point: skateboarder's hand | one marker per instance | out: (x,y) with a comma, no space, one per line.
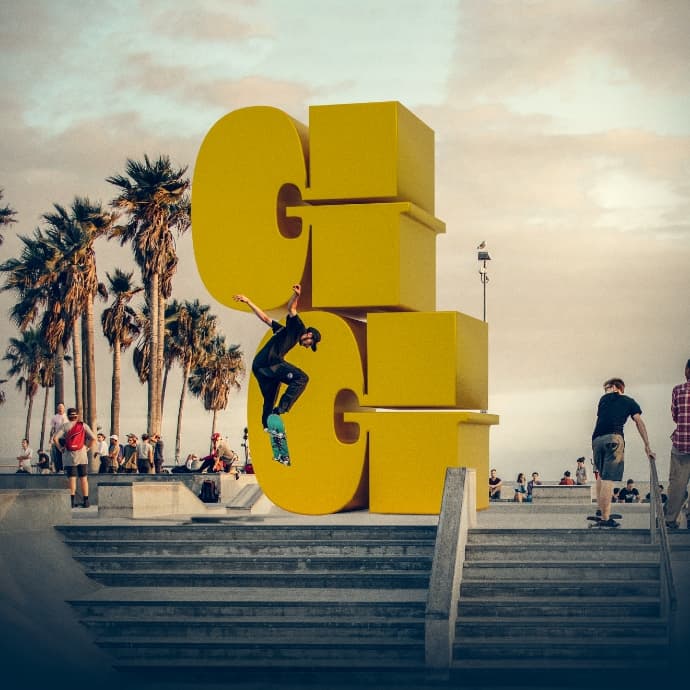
(297,289)
(240,298)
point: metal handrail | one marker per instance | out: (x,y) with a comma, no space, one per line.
(659,534)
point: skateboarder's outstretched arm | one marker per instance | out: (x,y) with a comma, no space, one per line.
(259,312)
(292,304)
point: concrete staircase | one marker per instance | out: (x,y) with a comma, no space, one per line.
(242,596)
(568,599)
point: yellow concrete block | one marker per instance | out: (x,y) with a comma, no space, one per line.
(412,450)
(328,471)
(251,164)
(380,256)
(430,359)
(370,151)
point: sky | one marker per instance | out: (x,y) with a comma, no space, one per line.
(562,141)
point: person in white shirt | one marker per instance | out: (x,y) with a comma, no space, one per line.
(56,423)
(25,457)
(101,453)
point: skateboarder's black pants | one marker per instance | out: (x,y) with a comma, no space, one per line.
(270,378)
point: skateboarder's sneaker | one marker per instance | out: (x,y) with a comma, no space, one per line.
(608,523)
(598,513)
(672,525)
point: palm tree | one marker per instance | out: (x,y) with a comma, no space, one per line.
(212,380)
(39,287)
(6,216)
(26,356)
(191,333)
(155,196)
(120,326)
(73,233)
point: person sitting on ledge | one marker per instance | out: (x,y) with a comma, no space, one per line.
(566,479)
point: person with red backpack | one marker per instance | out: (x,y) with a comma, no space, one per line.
(74,438)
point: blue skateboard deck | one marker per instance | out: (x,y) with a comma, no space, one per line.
(279,446)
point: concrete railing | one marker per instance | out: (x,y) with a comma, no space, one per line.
(458,514)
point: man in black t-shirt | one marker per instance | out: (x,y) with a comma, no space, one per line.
(269,365)
(608,444)
(629,494)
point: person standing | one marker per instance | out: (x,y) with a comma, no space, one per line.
(581,472)
(608,442)
(56,422)
(25,457)
(158,453)
(145,455)
(269,366)
(100,454)
(75,438)
(679,470)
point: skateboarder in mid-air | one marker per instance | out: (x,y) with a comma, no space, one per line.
(269,365)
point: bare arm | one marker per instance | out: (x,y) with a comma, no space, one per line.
(642,429)
(259,312)
(294,299)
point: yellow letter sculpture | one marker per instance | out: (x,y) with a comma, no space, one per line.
(347,209)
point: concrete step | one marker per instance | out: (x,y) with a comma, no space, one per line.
(649,648)
(249,602)
(561,552)
(370,651)
(572,630)
(230,547)
(557,570)
(267,629)
(558,607)
(210,578)
(544,589)
(237,530)
(523,537)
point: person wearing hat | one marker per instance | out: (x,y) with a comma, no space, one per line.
(269,366)
(114,455)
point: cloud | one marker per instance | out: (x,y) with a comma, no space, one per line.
(507,47)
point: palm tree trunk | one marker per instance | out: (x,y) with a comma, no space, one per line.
(166,371)
(27,428)
(115,389)
(59,375)
(160,358)
(154,388)
(76,361)
(178,436)
(90,362)
(45,416)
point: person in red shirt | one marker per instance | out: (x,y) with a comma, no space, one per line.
(679,472)
(566,479)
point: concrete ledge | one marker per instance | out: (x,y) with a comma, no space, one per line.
(144,500)
(229,486)
(557,493)
(33,509)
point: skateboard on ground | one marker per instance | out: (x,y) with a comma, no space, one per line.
(596,519)
(276,430)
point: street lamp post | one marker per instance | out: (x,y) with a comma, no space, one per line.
(483,257)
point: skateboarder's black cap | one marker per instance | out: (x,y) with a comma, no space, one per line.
(315,334)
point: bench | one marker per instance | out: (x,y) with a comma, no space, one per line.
(560,493)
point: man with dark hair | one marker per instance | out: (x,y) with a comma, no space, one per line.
(608,443)
(74,438)
(270,367)
(679,471)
